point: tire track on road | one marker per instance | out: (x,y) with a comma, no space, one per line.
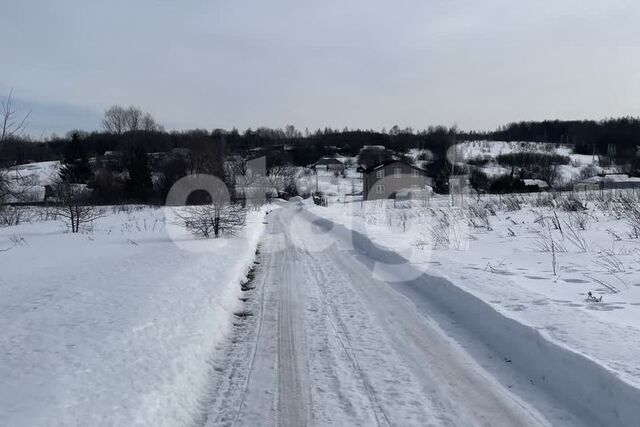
(258,338)
(343,338)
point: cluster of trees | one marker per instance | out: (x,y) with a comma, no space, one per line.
(524,164)
(124,127)
(118,120)
(527,164)
(501,184)
(136,175)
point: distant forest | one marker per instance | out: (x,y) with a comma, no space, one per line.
(620,137)
(132,148)
(617,139)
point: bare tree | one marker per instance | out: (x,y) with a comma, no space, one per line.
(12,124)
(115,120)
(282,178)
(149,124)
(75,210)
(133,118)
(249,181)
(13,185)
(5,186)
(243,176)
(118,120)
(214,220)
(216,217)
(348,163)
(11,215)
(291,132)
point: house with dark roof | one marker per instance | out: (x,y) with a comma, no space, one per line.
(328,163)
(393,178)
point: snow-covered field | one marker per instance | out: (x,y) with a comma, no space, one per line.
(531,261)
(40,173)
(114,326)
(335,186)
(28,181)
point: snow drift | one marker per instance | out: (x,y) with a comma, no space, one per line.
(114,327)
(583,384)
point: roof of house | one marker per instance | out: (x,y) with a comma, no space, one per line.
(328,161)
(535,182)
(113,153)
(387,163)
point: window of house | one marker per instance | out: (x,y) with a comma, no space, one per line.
(397,172)
(415,173)
(380,188)
(380,173)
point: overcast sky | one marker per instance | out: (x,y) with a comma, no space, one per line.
(361,64)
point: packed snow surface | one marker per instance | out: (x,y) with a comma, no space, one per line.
(329,342)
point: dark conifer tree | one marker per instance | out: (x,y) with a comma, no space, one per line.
(139,184)
(75,167)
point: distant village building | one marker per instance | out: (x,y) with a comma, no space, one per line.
(111,158)
(615,181)
(272,148)
(393,178)
(373,147)
(329,164)
(535,185)
(113,155)
(372,155)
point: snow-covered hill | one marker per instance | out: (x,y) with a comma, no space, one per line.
(39,173)
(488,151)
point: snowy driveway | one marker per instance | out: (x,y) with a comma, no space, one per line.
(326,343)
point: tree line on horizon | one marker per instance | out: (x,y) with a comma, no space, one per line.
(136,135)
(123,127)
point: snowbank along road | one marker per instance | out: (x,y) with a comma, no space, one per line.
(322,342)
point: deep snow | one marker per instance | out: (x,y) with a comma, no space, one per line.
(114,326)
(515,300)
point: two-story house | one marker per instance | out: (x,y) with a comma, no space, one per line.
(391,178)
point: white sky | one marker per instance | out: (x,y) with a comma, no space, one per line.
(317,63)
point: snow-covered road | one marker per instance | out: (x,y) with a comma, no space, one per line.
(323,342)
